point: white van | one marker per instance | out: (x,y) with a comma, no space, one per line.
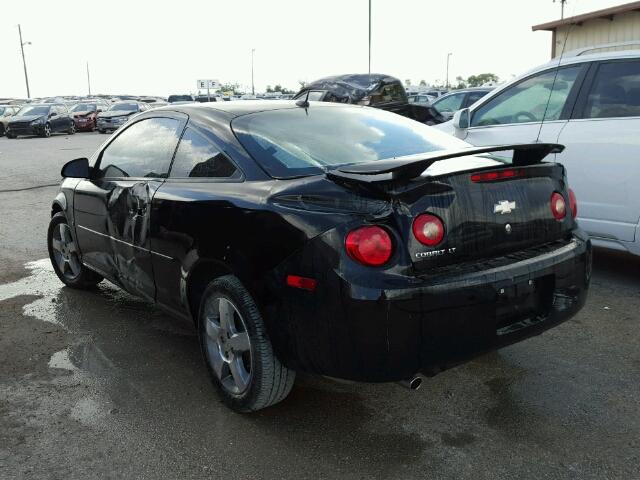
(590,102)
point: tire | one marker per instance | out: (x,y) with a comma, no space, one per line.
(102,131)
(10,135)
(265,381)
(72,129)
(64,256)
(46,131)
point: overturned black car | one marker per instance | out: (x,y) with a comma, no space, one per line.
(372,90)
(332,239)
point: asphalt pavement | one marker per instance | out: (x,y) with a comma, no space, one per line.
(99,384)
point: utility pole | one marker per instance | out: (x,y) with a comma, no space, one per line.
(24,62)
(253,89)
(447,77)
(369,37)
(88,79)
(562,2)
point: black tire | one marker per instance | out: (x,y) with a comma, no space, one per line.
(72,129)
(12,136)
(2,129)
(270,381)
(81,277)
(46,131)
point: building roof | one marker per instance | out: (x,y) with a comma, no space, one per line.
(606,13)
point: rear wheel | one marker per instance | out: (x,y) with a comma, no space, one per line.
(46,130)
(237,350)
(65,257)
(72,129)
(11,135)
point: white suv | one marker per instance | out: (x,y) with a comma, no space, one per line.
(591,104)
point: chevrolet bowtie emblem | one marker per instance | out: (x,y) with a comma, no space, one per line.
(504,206)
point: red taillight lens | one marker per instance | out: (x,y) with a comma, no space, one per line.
(497,175)
(573,203)
(558,206)
(370,245)
(428,229)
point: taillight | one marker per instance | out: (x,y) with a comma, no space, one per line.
(573,203)
(369,245)
(302,283)
(428,229)
(558,206)
(497,175)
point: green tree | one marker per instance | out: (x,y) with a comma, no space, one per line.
(229,87)
(302,84)
(269,89)
(423,83)
(462,83)
(481,79)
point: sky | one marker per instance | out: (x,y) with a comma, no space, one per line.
(161,48)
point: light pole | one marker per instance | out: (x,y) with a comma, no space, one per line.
(24,62)
(447,80)
(88,79)
(253,89)
(369,37)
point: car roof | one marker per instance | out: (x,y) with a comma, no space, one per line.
(233,109)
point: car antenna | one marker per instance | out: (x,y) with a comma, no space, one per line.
(555,76)
(304,103)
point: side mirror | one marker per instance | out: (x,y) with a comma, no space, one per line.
(461,119)
(78,168)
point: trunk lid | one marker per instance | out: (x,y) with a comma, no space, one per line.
(488,208)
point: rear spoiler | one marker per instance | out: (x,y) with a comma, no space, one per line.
(404,169)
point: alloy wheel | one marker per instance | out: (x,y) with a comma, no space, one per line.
(47,130)
(228,344)
(65,252)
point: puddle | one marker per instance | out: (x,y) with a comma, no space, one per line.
(42,282)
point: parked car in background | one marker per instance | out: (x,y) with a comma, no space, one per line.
(372,90)
(589,102)
(119,114)
(181,99)
(307,239)
(85,114)
(40,119)
(451,102)
(421,98)
(6,112)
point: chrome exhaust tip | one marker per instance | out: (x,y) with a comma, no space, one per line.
(412,383)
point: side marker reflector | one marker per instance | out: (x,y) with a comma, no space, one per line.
(302,283)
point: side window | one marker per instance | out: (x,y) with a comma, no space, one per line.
(197,157)
(528,100)
(144,149)
(473,97)
(452,103)
(615,91)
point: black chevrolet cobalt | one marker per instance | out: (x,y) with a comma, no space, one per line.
(332,239)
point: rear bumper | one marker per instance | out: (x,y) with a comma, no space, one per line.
(428,324)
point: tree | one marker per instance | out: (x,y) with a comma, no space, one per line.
(462,83)
(407,82)
(302,84)
(269,89)
(482,79)
(229,87)
(423,83)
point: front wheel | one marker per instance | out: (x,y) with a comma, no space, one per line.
(237,350)
(72,129)
(46,130)
(65,257)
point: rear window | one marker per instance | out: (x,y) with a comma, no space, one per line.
(298,142)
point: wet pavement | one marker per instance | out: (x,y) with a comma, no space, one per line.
(101,384)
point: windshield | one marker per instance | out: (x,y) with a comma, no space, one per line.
(34,110)
(84,107)
(126,107)
(297,142)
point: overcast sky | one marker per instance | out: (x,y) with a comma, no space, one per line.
(159,48)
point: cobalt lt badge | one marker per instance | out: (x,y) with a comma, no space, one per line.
(504,206)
